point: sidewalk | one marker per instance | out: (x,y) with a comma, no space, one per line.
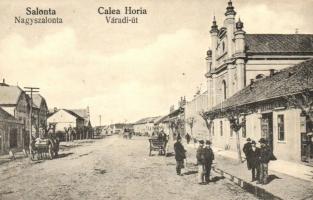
(284,186)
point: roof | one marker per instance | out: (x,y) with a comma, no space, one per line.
(71,112)
(9,94)
(279,43)
(292,80)
(83,113)
(162,119)
(5,115)
(147,120)
(37,99)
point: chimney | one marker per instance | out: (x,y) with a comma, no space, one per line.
(3,81)
(272,72)
(55,109)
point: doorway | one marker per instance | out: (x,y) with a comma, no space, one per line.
(267,128)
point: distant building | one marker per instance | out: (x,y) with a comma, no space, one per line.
(145,126)
(77,118)
(194,123)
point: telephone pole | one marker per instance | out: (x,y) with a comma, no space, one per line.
(31,90)
(100,120)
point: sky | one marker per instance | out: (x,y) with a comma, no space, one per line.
(125,72)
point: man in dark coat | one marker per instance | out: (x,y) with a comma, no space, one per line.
(180,155)
(200,162)
(264,158)
(246,150)
(208,159)
(188,138)
(254,161)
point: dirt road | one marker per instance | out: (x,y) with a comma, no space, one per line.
(110,168)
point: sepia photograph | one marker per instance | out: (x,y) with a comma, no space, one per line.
(156,100)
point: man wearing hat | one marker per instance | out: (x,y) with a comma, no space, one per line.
(254,161)
(200,162)
(246,150)
(208,159)
(180,155)
(264,158)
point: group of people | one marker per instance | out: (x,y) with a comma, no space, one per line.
(258,159)
(205,157)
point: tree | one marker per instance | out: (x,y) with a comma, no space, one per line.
(303,101)
(235,124)
(208,118)
(190,121)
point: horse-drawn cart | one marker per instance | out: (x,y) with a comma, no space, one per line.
(44,148)
(157,145)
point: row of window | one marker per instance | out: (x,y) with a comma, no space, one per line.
(280,129)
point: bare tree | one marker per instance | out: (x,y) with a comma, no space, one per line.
(208,118)
(190,121)
(304,101)
(235,124)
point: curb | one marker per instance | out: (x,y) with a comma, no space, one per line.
(253,189)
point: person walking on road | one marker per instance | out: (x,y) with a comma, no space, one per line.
(180,155)
(188,138)
(253,155)
(208,159)
(246,150)
(264,158)
(200,162)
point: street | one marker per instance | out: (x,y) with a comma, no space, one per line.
(109,168)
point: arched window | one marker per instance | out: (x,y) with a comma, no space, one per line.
(224,89)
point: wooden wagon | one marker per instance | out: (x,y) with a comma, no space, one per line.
(157,145)
(44,148)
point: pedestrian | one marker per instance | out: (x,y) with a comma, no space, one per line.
(246,150)
(180,155)
(188,138)
(200,162)
(264,158)
(208,159)
(253,156)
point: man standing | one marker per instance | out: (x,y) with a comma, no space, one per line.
(200,162)
(264,157)
(254,161)
(208,159)
(180,155)
(246,150)
(188,138)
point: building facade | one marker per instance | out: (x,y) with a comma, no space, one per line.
(240,65)
(14,101)
(194,123)
(11,133)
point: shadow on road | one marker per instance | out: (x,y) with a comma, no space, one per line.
(217,178)
(190,172)
(63,155)
(272,177)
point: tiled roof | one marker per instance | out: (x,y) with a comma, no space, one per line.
(9,94)
(279,43)
(288,81)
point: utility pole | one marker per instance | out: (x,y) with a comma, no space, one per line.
(100,120)
(31,90)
